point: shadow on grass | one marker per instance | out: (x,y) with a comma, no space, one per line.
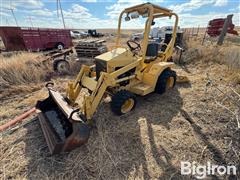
(117,149)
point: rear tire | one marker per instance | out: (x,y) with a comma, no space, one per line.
(123,102)
(61,66)
(60,46)
(166,80)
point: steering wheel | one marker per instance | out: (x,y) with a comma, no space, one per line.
(132,48)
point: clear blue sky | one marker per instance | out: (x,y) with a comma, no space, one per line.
(86,14)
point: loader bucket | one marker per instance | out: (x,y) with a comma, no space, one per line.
(64,129)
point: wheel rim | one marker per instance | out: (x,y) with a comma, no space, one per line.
(170,82)
(127,106)
(62,67)
(60,47)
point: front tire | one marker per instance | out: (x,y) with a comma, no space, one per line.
(123,102)
(166,80)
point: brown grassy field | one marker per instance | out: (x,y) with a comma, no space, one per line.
(20,68)
(195,122)
(20,72)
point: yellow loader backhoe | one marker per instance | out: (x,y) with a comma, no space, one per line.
(122,72)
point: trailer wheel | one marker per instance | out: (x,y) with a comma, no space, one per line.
(166,80)
(60,46)
(123,102)
(61,66)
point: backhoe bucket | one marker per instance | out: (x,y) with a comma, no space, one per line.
(64,128)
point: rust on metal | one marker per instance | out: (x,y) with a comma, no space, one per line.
(61,132)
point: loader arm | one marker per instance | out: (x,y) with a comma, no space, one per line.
(74,87)
(106,80)
(91,102)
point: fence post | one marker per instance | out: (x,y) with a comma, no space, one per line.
(224,29)
(198,29)
(189,33)
(204,36)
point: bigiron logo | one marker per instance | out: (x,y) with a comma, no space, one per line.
(202,171)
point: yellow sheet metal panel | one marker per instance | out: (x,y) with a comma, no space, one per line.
(116,58)
(149,79)
(111,54)
(142,9)
(151,76)
(182,79)
(157,68)
(142,89)
(89,83)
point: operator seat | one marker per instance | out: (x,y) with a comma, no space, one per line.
(152,52)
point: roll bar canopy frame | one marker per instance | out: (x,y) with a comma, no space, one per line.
(154,12)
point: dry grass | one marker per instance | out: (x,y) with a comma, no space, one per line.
(228,54)
(148,143)
(184,124)
(231,57)
(20,74)
(21,68)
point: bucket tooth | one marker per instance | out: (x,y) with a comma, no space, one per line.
(60,132)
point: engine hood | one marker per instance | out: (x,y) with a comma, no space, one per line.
(117,57)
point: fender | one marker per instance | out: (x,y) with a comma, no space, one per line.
(150,77)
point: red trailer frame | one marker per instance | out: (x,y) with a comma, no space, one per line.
(34,39)
(215,27)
